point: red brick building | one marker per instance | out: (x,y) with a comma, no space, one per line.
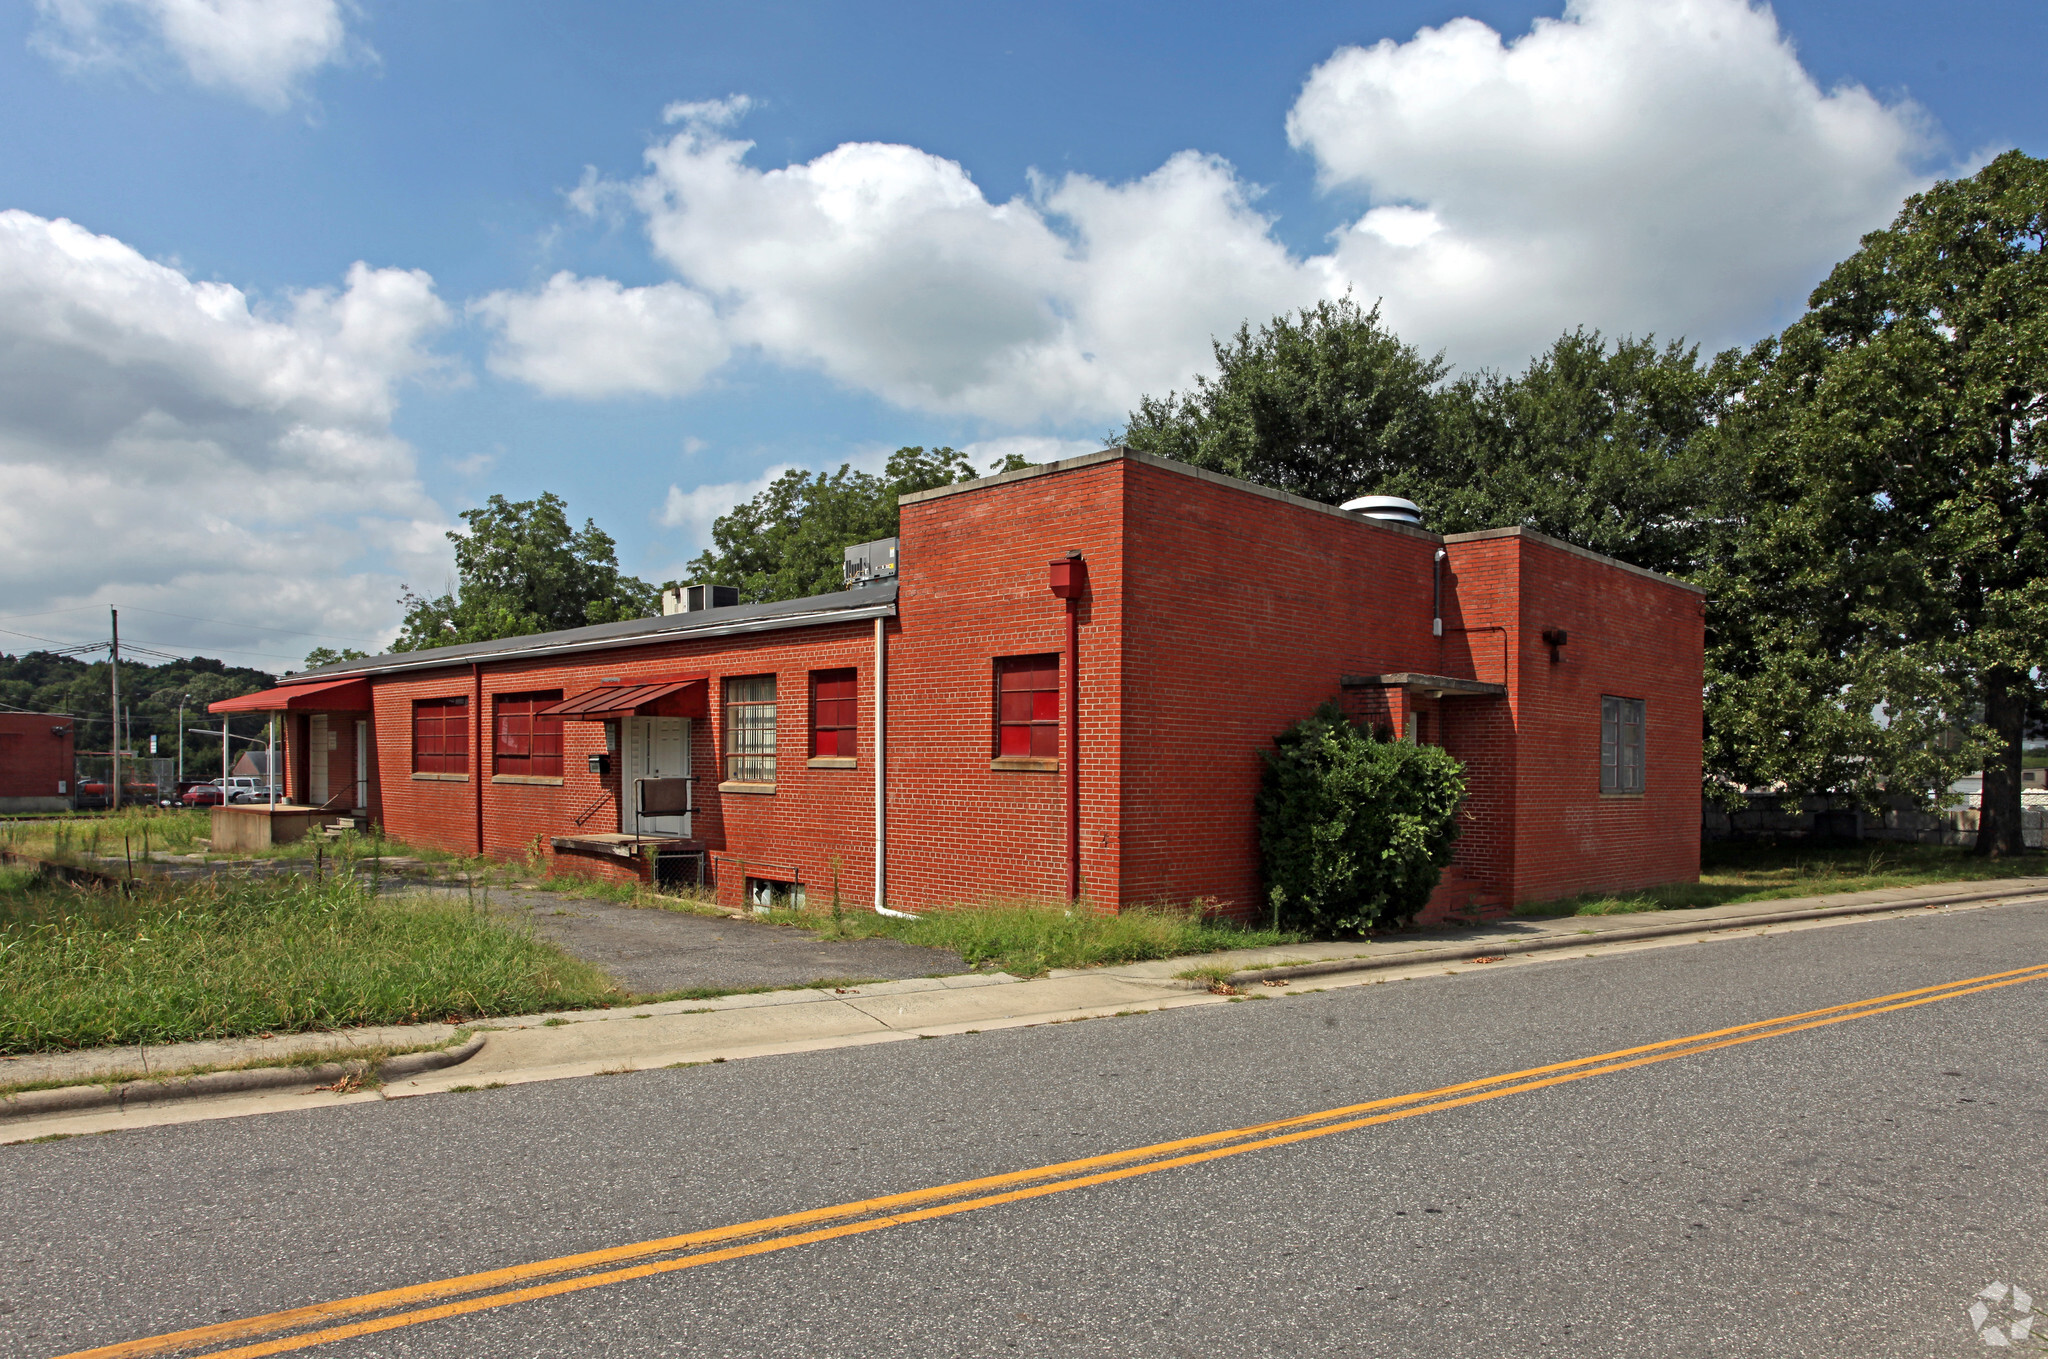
(1183,618)
(36,764)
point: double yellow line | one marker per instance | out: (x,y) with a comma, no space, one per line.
(391,1309)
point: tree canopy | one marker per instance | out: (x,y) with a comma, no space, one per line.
(790,540)
(523,569)
(1605,444)
(1884,610)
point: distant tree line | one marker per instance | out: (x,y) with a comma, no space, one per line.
(45,683)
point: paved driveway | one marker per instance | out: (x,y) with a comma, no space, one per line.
(653,951)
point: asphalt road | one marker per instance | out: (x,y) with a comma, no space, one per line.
(1843,1191)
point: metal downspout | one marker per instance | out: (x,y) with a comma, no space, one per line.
(882,774)
(476,775)
(1073,750)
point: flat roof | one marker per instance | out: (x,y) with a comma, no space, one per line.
(841,606)
(1118,451)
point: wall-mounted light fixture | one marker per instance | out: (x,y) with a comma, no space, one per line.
(1555,638)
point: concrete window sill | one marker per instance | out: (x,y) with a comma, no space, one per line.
(440,778)
(1622,797)
(732,786)
(544,780)
(1023,764)
(831,762)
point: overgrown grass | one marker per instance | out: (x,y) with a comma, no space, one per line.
(167,963)
(1731,873)
(137,831)
(1027,940)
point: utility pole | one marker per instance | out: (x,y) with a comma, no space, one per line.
(114,675)
(181,736)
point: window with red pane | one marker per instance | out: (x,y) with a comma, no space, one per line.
(525,742)
(1028,707)
(835,701)
(440,736)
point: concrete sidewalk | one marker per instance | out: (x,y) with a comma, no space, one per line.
(582,1043)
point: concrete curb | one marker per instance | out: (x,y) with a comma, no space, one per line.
(1499,947)
(71,1098)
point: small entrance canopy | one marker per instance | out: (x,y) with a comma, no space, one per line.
(1428,686)
(340,696)
(682,696)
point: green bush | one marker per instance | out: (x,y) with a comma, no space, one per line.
(1354,831)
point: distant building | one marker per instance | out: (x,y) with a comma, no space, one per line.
(36,762)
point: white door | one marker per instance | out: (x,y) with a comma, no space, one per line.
(362,764)
(654,748)
(316,759)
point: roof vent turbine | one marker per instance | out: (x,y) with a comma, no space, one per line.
(1391,508)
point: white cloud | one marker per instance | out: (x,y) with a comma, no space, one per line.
(163,440)
(1633,165)
(258,49)
(692,511)
(1636,165)
(592,337)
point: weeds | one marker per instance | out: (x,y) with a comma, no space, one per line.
(170,962)
(1738,873)
(1028,940)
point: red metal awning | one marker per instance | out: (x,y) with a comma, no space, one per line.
(683,696)
(345,696)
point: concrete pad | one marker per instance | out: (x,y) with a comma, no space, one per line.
(1058,995)
(659,1039)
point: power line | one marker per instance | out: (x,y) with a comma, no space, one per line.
(247,627)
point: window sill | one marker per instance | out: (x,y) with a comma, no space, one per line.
(440,778)
(1623,797)
(544,780)
(1023,764)
(734,786)
(831,762)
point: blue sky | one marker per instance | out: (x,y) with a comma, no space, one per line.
(339,271)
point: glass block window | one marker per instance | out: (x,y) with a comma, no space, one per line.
(1621,745)
(1028,707)
(750,729)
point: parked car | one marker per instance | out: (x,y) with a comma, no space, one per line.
(202,795)
(244,788)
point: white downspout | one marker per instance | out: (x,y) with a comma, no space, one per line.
(881,775)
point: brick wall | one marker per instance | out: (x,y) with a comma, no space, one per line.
(1243,614)
(34,760)
(1216,616)
(974,586)
(816,822)
(1631,636)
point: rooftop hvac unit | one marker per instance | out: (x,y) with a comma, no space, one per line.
(870,563)
(697,598)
